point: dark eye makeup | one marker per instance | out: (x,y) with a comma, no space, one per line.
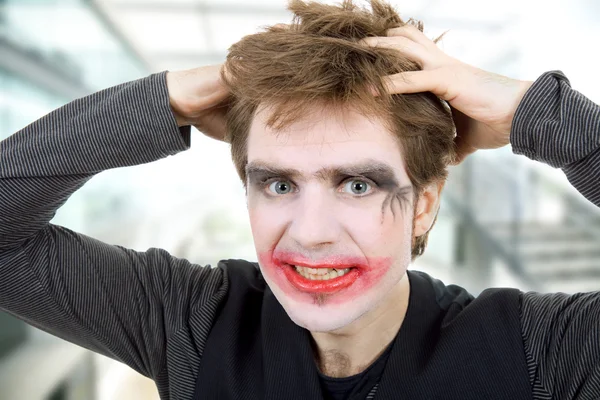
(378,175)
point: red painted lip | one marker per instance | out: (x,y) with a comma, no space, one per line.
(286,261)
(337,262)
(366,272)
(326,286)
(308,265)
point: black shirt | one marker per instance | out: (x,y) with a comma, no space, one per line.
(162,315)
(356,386)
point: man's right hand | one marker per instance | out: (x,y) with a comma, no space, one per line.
(199,97)
(483,103)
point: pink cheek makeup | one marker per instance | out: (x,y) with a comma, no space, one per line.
(341,278)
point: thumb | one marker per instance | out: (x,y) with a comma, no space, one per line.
(463,149)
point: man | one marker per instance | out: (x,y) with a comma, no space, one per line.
(343,167)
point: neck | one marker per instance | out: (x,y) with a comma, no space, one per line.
(351,349)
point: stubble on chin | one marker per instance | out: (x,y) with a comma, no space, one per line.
(320,299)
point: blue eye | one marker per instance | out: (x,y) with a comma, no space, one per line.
(280,187)
(356,186)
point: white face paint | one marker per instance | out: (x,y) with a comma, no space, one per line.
(302,213)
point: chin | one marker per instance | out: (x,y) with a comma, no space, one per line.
(329,316)
(320,318)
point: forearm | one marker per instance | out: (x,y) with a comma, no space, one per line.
(44,163)
(106,298)
(559,126)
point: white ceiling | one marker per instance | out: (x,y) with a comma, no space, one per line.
(175,34)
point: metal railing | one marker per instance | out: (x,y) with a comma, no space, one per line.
(487,193)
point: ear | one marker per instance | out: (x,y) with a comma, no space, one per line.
(427,207)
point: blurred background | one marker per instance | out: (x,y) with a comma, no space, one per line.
(504,221)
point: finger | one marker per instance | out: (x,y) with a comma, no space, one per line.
(413,33)
(462,122)
(215,124)
(413,50)
(462,142)
(419,81)
(279,27)
(463,149)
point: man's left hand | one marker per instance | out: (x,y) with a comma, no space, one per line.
(483,103)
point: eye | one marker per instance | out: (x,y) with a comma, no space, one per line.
(280,187)
(356,186)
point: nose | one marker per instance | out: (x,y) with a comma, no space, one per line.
(313,223)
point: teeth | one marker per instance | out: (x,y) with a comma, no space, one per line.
(316,271)
(321,274)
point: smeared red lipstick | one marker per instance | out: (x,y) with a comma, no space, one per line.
(364,274)
(322,286)
(287,261)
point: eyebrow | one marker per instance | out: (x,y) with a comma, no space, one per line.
(381,173)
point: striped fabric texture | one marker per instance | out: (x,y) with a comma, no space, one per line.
(153,311)
(559,126)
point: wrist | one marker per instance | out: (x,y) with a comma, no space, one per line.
(522,88)
(173,89)
(180,121)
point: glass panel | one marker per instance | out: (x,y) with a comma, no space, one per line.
(70,35)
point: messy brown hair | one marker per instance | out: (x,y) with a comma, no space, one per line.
(318,58)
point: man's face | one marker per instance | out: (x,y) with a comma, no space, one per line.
(331,211)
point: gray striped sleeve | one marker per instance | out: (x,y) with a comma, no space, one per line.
(559,126)
(562,344)
(115,301)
